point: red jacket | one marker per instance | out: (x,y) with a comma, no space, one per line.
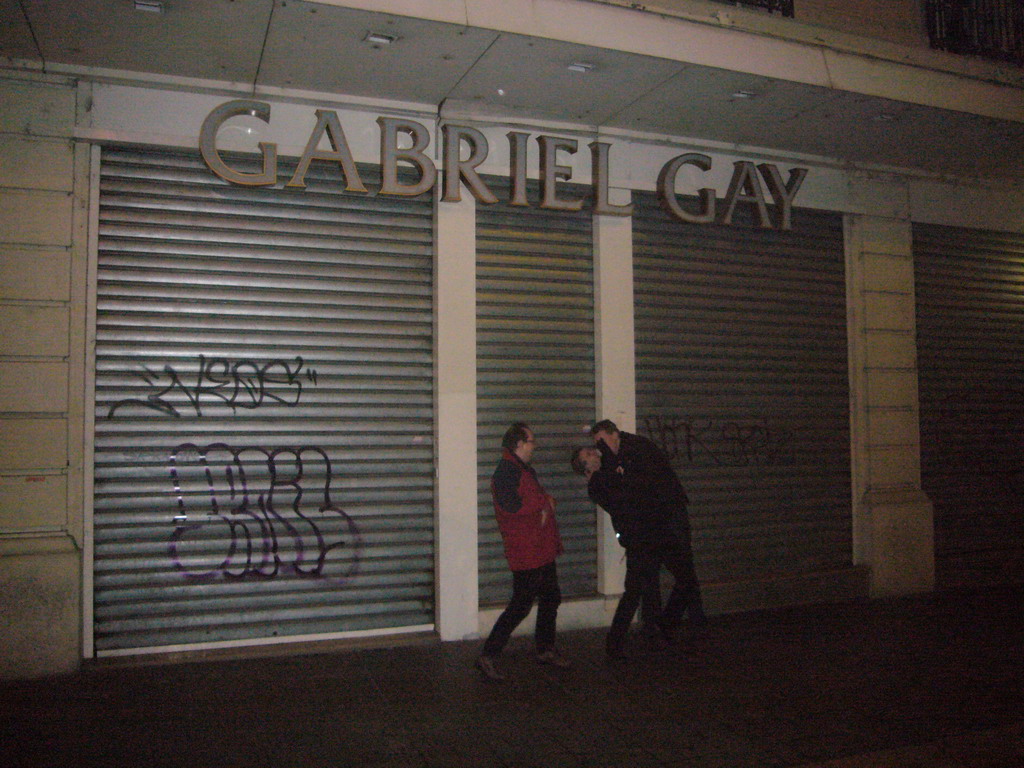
(519,500)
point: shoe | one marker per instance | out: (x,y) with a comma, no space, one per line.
(668,632)
(695,613)
(553,657)
(656,642)
(687,651)
(486,665)
(614,653)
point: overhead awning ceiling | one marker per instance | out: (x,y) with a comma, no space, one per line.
(519,66)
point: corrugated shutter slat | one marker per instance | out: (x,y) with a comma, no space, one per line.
(742,378)
(264,407)
(969,286)
(535,363)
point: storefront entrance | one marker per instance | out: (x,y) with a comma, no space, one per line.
(742,377)
(263,408)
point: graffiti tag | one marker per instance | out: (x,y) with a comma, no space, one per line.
(259,513)
(238,384)
(729,444)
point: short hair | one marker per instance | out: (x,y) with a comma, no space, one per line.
(576,461)
(605,425)
(517,433)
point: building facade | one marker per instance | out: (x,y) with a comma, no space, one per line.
(262,333)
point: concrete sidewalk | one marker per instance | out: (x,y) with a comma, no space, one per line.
(933,681)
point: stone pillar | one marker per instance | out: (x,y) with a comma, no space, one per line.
(44,202)
(616,361)
(457,559)
(893,530)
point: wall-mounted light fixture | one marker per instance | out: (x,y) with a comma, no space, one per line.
(580,66)
(149,6)
(743,94)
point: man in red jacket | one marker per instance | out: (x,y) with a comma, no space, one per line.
(526,518)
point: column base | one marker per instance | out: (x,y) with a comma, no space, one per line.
(900,552)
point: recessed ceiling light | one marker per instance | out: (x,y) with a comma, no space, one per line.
(149,6)
(580,66)
(379,38)
(501,91)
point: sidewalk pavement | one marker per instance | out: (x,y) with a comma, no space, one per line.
(931,681)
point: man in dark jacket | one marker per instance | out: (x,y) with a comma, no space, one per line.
(640,532)
(526,519)
(661,493)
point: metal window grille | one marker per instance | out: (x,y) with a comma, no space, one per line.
(993,29)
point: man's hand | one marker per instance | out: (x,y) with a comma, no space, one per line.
(547,512)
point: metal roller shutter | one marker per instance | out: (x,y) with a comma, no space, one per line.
(263,449)
(742,378)
(970,336)
(535,363)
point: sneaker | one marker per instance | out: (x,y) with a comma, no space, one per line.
(695,612)
(486,665)
(615,653)
(553,657)
(656,642)
(616,656)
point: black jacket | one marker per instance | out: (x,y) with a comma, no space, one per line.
(624,496)
(642,460)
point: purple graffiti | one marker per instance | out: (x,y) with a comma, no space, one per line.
(236,384)
(259,513)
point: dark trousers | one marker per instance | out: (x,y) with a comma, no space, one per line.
(685,596)
(540,584)
(642,566)
(643,563)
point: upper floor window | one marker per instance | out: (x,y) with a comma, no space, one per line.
(993,29)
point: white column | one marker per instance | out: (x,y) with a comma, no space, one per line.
(456,559)
(616,362)
(893,528)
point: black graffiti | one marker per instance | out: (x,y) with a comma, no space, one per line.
(259,513)
(680,439)
(238,384)
(729,444)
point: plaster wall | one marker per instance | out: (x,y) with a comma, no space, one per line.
(864,46)
(979,206)
(898,21)
(893,520)
(43,230)
(45,131)
(455,385)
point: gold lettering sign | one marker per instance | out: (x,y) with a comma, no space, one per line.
(745,185)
